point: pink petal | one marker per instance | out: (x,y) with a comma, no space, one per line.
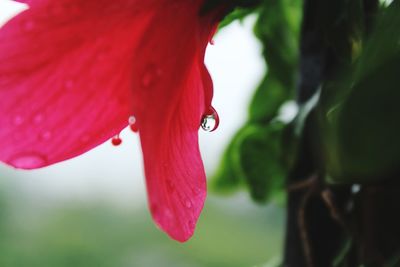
(175,89)
(65,79)
(69,80)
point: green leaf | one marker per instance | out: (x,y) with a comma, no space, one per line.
(394,261)
(236,14)
(255,155)
(277,29)
(261,160)
(361,126)
(228,176)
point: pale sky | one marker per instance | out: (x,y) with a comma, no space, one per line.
(116,173)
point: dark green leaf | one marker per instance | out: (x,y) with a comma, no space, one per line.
(361,126)
(261,160)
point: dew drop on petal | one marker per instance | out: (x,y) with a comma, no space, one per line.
(132,120)
(18,120)
(196,191)
(210,120)
(191,225)
(46,135)
(29,160)
(168,213)
(151,75)
(188,203)
(116,140)
(132,124)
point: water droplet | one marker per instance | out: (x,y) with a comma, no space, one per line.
(168,213)
(212,42)
(191,225)
(116,140)
(188,203)
(38,118)
(133,124)
(18,120)
(134,128)
(196,191)
(151,75)
(132,120)
(46,135)
(28,160)
(210,120)
(28,25)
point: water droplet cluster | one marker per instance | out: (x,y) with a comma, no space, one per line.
(151,76)
(117,140)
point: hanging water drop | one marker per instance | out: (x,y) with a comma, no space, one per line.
(210,120)
(133,124)
(116,140)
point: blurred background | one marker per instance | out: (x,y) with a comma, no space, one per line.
(92,210)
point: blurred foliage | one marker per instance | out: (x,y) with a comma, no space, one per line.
(359,111)
(81,234)
(345,67)
(230,5)
(348,119)
(255,155)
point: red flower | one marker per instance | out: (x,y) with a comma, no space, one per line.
(73,71)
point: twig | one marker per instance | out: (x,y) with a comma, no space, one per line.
(303,229)
(308,183)
(328,199)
